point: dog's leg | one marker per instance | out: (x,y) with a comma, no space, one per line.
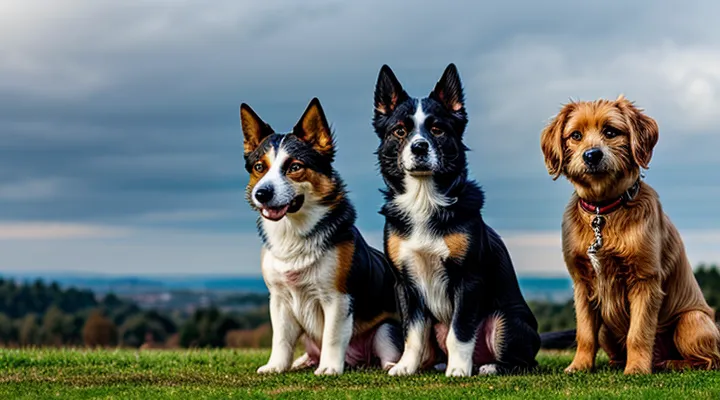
(416,330)
(461,338)
(645,297)
(336,335)
(698,340)
(286,331)
(611,344)
(514,343)
(387,344)
(588,326)
(416,340)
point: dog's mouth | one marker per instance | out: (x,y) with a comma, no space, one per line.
(277,213)
(420,172)
(595,171)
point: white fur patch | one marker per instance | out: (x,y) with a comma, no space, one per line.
(425,252)
(385,348)
(488,369)
(460,355)
(412,357)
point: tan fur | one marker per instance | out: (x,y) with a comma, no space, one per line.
(645,289)
(345,253)
(393,248)
(457,243)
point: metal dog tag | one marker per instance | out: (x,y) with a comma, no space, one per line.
(597,224)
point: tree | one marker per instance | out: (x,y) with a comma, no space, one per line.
(99,331)
(29,331)
(207,328)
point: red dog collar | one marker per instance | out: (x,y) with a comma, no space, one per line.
(614,205)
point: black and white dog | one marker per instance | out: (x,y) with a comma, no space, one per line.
(325,281)
(457,279)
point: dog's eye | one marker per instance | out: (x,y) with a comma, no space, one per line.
(400,132)
(259,167)
(611,133)
(295,167)
(436,131)
(576,135)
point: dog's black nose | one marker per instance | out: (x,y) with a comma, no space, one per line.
(263,195)
(592,157)
(420,148)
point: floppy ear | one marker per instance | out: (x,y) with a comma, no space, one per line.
(313,128)
(388,92)
(551,141)
(448,91)
(644,131)
(255,130)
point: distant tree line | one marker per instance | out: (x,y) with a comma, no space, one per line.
(39,314)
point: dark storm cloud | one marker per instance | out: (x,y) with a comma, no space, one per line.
(112,112)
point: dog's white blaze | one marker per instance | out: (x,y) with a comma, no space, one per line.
(309,301)
(407,156)
(282,188)
(460,355)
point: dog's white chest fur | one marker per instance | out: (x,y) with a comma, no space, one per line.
(424,252)
(304,290)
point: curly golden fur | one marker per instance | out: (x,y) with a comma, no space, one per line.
(643,305)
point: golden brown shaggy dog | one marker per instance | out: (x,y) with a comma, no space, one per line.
(635,293)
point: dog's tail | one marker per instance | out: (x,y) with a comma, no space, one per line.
(559,340)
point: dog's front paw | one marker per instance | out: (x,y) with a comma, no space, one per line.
(488,369)
(329,370)
(271,369)
(302,362)
(402,369)
(458,371)
(637,370)
(573,368)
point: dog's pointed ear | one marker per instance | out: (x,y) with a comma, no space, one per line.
(255,130)
(551,141)
(643,131)
(313,128)
(388,92)
(448,90)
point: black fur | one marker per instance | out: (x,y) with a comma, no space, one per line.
(483,283)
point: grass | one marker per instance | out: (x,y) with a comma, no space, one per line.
(78,374)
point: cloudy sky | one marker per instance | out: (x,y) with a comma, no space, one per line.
(121,150)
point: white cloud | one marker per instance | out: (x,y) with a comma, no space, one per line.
(40,232)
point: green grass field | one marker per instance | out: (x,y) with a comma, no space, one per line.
(76,374)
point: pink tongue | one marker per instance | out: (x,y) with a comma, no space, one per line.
(275,213)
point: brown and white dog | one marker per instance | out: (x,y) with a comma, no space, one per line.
(634,288)
(324,280)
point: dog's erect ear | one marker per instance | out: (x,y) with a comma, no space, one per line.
(388,92)
(551,141)
(448,91)
(255,130)
(644,131)
(313,128)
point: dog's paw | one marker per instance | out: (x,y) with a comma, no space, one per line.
(302,362)
(328,370)
(573,368)
(458,371)
(637,370)
(488,369)
(402,369)
(271,369)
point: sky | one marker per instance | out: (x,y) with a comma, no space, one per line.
(121,148)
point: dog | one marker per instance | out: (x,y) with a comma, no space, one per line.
(324,280)
(634,289)
(455,275)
